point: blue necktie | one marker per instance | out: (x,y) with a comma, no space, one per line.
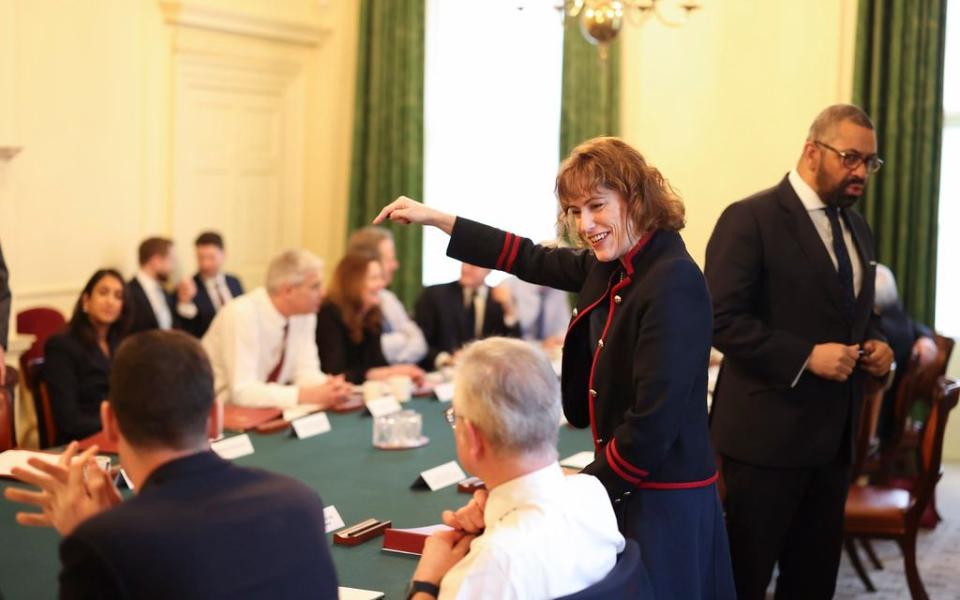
(844,266)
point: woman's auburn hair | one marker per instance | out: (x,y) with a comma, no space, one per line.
(346,293)
(610,163)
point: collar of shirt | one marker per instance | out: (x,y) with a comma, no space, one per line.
(266,308)
(217,279)
(148,283)
(542,484)
(481,293)
(810,199)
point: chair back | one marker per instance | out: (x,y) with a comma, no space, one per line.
(46,426)
(945,397)
(41,322)
(627,579)
(8,430)
(867,429)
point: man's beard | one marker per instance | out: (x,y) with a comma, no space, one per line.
(837,195)
(163,277)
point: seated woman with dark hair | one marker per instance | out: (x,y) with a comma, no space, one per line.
(350,323)
(77,361)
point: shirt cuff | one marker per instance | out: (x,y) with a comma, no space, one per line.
(187,310)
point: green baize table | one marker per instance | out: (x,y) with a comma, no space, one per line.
(342,466)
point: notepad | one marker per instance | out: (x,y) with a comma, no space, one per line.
(19,458)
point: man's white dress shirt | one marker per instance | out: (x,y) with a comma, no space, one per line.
(546,535)
(158,299)
(401,341)
(217,289)
(245,342)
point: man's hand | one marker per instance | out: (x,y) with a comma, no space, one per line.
(877,358)
(924,348)
(442,550)
(405,210)
(335,390)
(72,491)
(502,296)
(468,519)
(186,290)
(833,361)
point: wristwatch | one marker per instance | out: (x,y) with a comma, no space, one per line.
(422,586)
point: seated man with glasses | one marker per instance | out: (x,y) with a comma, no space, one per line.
(535,533)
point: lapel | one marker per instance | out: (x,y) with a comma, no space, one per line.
(203,300)
(457,313)
(234,284)
(868,266)
(798,223)
(143,310)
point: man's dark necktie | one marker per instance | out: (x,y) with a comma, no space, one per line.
(470,316)
(844,266)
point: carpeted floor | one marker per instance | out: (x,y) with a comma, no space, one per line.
(938,553)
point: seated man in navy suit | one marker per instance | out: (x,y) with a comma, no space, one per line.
(452,314)
(199,526)
(210,289)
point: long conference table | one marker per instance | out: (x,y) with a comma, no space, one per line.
(345,470)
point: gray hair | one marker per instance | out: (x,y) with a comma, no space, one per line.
(886,288)
(510,392)
(824,126)
(291,268)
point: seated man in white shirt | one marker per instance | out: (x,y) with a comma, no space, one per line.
(537,534)
(402,340)
(262,345)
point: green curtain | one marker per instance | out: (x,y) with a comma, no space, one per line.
(898,81)
(590,101)
(388,125)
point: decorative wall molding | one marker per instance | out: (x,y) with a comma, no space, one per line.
(183,14)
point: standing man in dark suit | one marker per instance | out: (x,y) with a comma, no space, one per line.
(4,317)
(452,314)
(210,288)
(201,527)
(152,305)
(791,273)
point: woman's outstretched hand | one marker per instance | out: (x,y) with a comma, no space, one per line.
(405,210)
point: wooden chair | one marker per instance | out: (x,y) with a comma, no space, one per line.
(41,322)
(8,429)
(46,426)
(880,512)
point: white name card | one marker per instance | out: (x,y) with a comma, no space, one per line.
(442,476)
(345,593)
(315,424)
(444,391)
(233,447)
(578,460)
(332,520)
(383,406)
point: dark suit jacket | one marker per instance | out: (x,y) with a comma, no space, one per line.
(339,353)
(440,314)
(775,295)
(4,301)
(206,311)
(142,315)
(202,527)
(77,379)
(643,390)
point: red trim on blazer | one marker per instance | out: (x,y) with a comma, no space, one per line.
(616,469)
(612,447)
(687,485)
(596,353)
(503,252)
(513,254)
(627,259)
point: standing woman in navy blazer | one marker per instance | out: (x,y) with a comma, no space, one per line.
(635,354)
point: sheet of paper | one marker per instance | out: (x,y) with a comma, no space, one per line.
(383,406)
(444,391)
(233,447)
(18,458)
(346,593)
(444,475)
(332,519)
(312,425)
(578,460)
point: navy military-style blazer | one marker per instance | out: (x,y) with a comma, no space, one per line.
(202,527)
(776,294)
(635,355)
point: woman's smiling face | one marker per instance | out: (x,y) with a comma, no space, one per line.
(602,222)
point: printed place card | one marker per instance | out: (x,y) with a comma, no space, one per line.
(332,520)
(346,593)
(383,406)
(440,477)
(233,447)
(578,460)
(312,425)
(444,391)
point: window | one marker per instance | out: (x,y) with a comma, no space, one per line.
(492,119)
(948,244)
